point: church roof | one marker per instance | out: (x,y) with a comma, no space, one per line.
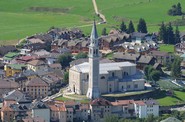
(104,67)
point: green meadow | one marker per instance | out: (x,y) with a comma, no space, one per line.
(21,18)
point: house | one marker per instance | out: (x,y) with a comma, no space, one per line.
(7,114)
(6,49)
(35,46)
(138,46)
(38,66)
(9,57)
(34,119)
(55,66)
(67,34)
(145,60)
(162,57)
(109,41)
(24,59)
(146,107)
(54,83)
(37,88)
(7,86)
(120,56)
(13,69)
(61,50)
(179,48)
(123,108)
(42,110)
(99,109)
(24,51)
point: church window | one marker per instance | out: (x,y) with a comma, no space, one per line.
(102,77)
(112,74)
(122,87)
(128,86)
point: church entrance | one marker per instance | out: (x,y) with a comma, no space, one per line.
(110,89)
(73,88)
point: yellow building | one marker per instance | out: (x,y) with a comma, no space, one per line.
(12,69)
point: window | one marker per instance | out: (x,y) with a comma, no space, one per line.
(128,86)
(136,86)
(102,77)
(112,74)
(87,76)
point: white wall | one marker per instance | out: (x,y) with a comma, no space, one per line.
(44,113)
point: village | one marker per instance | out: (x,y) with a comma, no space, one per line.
(45,77)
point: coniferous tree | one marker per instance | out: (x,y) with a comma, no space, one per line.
(123,27)
(177,35)
(163,33)
(179,9)
(170,34)
(131,28)
(176,69)
(141,27)
(104,31)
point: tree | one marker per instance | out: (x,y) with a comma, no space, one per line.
(179,9)
(141,27)
(155,75)
(66,77)
(131,28)
(104,31)
(123,27)
(177,35)
(111,118)
(81,55)
(176,68)
(150,118)
(170,34)
(65,59)
(146,71)
(163,33)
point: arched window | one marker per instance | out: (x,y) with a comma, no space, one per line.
(102,77)
(112,74)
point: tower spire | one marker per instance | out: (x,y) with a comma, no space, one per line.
(93,85)
(94,33)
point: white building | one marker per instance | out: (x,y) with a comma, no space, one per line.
(41,110)
(92,79)
(145,108)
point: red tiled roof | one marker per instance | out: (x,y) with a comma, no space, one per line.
(122,102)
(141,103)
(100,102)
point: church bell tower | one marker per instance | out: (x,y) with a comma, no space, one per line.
(93,88)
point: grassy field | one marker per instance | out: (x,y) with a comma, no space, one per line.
(167,85)
(67,99)
(26,17)
(153,11)
(166,48)
(165,100)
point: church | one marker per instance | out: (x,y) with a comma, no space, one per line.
(93,78)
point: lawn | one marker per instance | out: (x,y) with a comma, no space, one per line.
(166,48)
(21,18)
(153,11)
(61,98)
(167,85)
(177,98)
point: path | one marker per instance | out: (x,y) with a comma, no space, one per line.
(98,13)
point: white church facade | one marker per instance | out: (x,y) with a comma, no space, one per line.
(93,78)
